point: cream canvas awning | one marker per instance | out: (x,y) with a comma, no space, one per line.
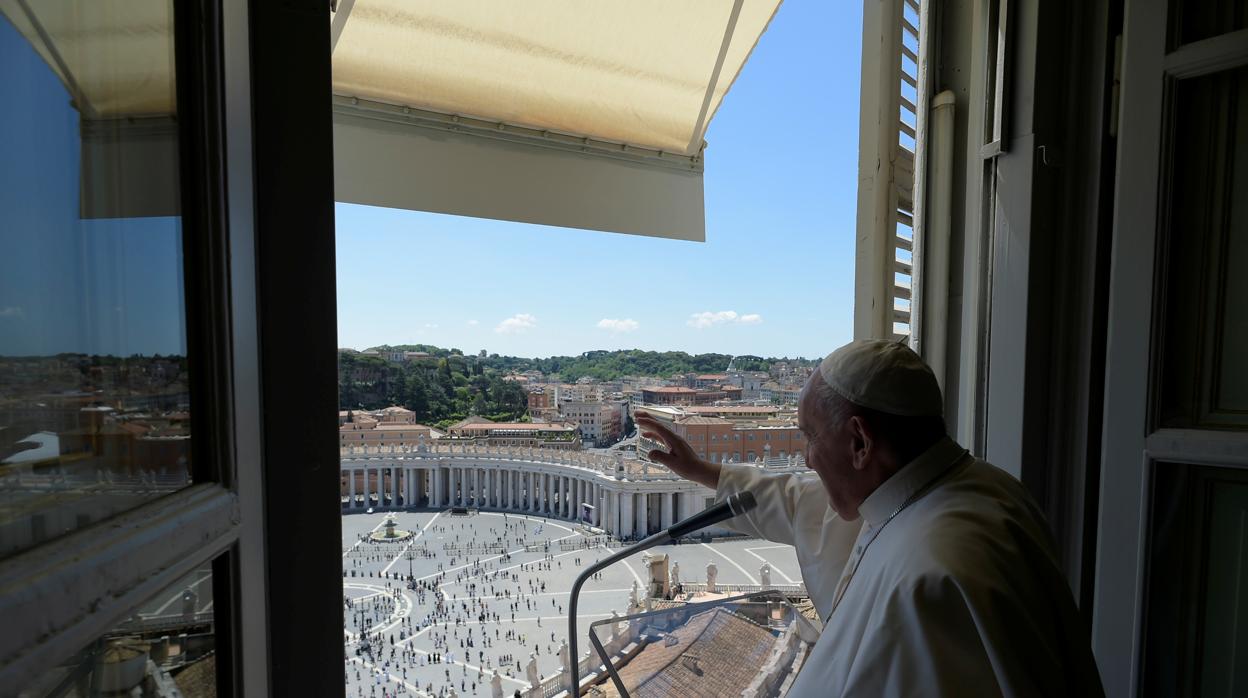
(571,113)
(579,114)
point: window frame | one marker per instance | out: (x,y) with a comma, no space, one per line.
(63,594)
(260,73)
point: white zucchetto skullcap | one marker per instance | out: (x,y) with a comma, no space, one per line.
(885,376)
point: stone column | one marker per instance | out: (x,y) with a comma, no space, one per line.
(537,485)
(435,477)
(530,487)
(643,514)
(394,487)
(552,507)
(665,512)
(626,514)
(351,487)
(548,505)
(564,497)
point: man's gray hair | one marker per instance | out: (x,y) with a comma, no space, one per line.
(833,406)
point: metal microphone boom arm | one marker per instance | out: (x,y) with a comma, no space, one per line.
(734,505)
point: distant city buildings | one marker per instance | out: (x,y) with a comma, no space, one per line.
(732,433)
(392,426)
(601,423)
(481,431)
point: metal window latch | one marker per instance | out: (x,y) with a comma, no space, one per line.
(1048,155)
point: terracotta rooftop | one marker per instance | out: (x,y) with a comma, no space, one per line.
(735,409)
(696,419)
(716,653)
(670,389)
(514,426)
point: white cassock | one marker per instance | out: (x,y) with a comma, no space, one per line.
(959,594)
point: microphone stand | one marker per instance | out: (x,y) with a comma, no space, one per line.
(734,505)
(653,540)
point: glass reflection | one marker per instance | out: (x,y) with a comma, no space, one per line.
(94,400)
(167,647)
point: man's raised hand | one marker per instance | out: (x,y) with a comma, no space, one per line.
(679,456)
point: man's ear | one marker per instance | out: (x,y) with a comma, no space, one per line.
(861,441)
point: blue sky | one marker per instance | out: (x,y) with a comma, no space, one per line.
(774,277)
(69,284)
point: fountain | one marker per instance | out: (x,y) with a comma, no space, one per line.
(390,532)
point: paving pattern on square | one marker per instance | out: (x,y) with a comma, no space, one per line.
(503,581)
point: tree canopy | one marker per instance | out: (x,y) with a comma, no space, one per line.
(449,386)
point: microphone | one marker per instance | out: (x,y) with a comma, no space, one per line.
(734,505)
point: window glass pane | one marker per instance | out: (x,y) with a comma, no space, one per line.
(1205,19)
(93,373)
(165,648)
(1204,330)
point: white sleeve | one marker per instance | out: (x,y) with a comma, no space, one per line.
(793,509)
(781,498)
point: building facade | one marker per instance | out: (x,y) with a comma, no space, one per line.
(601,423)
(628,498)
(481,431)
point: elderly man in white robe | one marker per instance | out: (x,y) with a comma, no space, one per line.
(933,571)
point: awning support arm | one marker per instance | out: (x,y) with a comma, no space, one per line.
(694,146)
(339,22)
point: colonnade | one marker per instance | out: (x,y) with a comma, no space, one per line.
(623,508)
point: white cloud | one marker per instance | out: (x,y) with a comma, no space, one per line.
(431,325)
(614,325)
(708,318)
(516,323)
(11,311)
(473,323)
